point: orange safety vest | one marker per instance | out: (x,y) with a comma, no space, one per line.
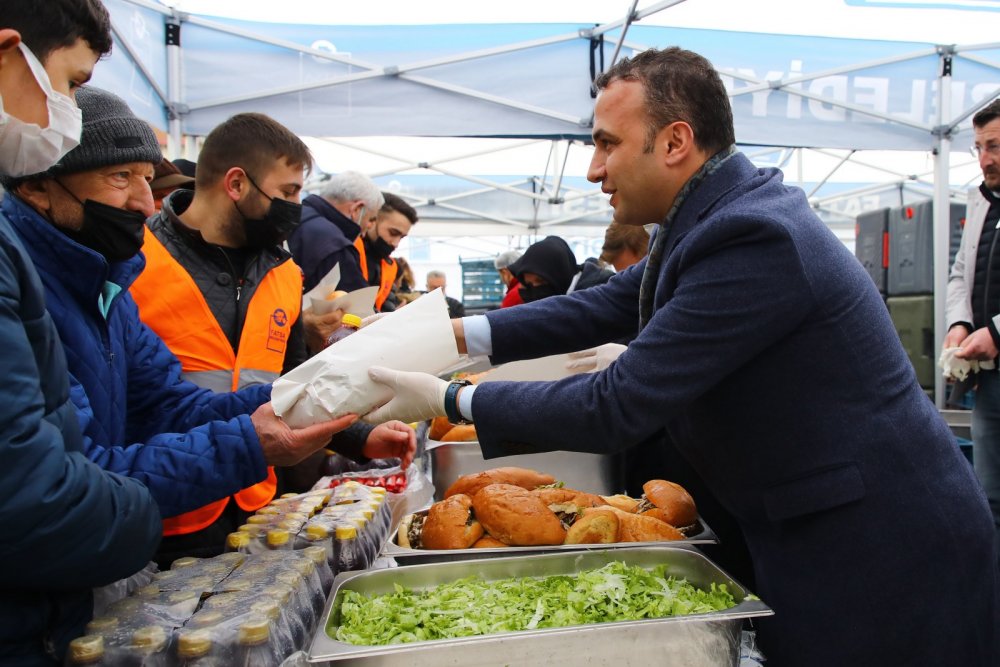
(389,270)
(171,304)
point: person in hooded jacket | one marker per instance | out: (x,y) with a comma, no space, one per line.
(548,268)
(66,525)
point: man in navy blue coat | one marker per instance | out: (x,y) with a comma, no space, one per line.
(767,355)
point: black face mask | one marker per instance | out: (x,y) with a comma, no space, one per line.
(534,293)
(114,232)
(278,223)
(382,248)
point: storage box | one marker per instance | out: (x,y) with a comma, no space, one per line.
(913,317)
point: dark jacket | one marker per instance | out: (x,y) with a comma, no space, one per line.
(771,361)
(324,239)
(138,417)
(65,525)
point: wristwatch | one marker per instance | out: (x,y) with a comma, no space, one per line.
(451,402)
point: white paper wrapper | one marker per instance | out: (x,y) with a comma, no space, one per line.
(543,369)
(335,381)
(360,302)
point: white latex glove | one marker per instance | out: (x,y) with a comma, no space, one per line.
(595,359)
(416,396)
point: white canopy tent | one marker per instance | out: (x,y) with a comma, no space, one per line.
(820,107)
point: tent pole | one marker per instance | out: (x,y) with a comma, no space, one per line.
(173,46)
(942,211)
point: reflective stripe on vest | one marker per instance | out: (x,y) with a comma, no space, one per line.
(387,278)
(171,304)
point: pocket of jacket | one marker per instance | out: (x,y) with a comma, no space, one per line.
(817,491)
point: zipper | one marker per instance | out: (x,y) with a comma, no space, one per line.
(989,268)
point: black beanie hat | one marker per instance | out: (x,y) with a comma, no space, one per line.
(112,134)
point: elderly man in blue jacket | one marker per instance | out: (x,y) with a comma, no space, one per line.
(82,223)
(767,355)
(65,525)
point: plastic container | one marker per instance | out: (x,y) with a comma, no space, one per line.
(348,325)
(254,647)
(87,650)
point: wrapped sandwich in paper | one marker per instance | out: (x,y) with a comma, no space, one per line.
(335,381)
(325,297)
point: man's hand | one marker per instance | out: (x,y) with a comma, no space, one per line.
(319,327)
(416,396)
(978,345)
(955,336)
(392,440)
(285,446)
(594,359)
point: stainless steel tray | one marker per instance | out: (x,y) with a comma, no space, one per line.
(595,473)
(405,555)
(701,640)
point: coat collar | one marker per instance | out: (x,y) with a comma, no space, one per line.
(348,227)
(81,271)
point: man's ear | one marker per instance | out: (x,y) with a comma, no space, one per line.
(9,39)
(234,182)
(36,194)
(678,139)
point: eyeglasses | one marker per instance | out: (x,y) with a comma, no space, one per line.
(992,149)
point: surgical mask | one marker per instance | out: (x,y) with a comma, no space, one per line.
(382,248)
(114,232)
(361,218)
(27,149)
(535,292)
(274,228)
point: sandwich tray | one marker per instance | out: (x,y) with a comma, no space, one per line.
(699,640)
(701,534)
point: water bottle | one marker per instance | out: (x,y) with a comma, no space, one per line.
(282,594)
(348,325)
(281,634)
(195,648)
(346,548)
(254,647)
(148,648)
(321,559)
(87,650)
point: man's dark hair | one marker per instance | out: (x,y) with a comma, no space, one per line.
(48,25)
(680,85)
(252,142)
(398,204)
(619,237)
(987,114)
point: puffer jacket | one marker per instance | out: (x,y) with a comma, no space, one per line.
(189,445)
(65,525)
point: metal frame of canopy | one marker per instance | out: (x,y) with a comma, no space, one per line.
(550,188)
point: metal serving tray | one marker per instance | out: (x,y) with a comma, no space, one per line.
(594,473)
(406,555)
(701,640)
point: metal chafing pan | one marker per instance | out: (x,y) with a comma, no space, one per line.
(404,555)
(701,640)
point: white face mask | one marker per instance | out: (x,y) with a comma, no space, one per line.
(26,148)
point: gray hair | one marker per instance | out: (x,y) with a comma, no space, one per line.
(351,185)
(436,274)
(506,258)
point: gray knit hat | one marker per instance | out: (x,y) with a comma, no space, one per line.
(112,134)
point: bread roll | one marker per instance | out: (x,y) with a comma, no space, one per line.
(622,502)
(335,294)
(568,500)
(522,477)
(597,527)
(439,426)
(516,516)
(488,542)
(677,504)
(460,433)
(450,525)
(639,528)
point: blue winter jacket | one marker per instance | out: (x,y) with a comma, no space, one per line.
(323,240)
(189,445)
(65,524)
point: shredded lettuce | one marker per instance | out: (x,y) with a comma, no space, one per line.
(473,606)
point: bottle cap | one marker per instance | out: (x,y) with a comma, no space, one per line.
(86,649)
(317,532)
(152,637)
(289,495)
(316,554)
(277,537)
(206,619)
(346,532)
(351,320)
(102,625)
(260,519)
(267,607)
(237,540)
(194,643)
(269,510)
(186,561)
(254,630)
(305,566)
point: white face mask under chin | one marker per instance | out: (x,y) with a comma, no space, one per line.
(26,148)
